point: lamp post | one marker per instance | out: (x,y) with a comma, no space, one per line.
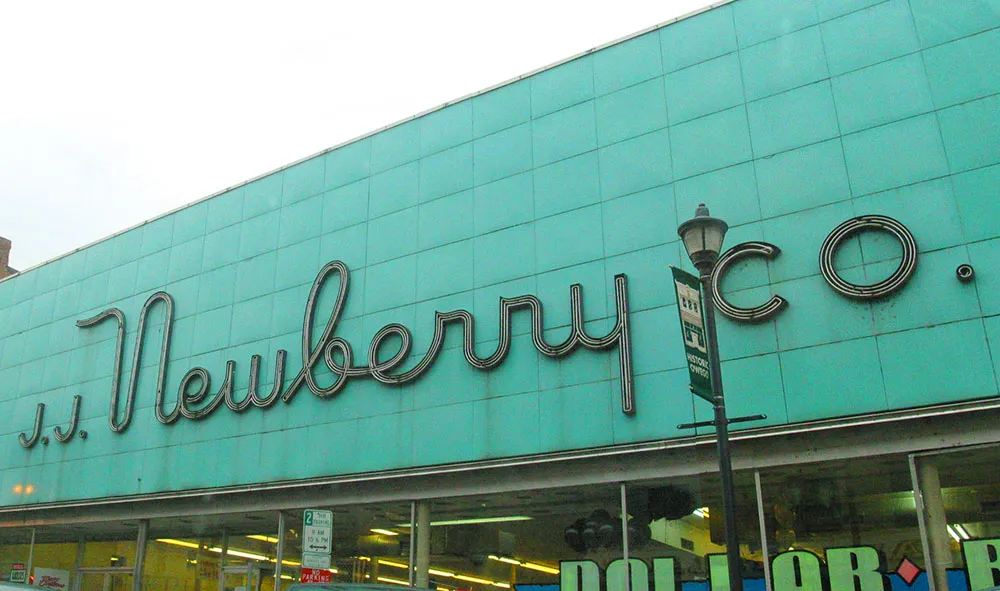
(702,236)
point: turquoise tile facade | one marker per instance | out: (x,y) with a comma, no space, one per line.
(787,117)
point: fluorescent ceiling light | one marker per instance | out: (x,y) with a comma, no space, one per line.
(476,520)
(384,532)
(178,543)
(394,581)
(531,565)
(701,512)
(954,534)
(962,531)
(270,539)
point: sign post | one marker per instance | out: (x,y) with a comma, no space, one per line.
(317,539)
(689,307)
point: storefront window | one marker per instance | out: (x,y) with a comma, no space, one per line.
(960,494)
(15,554)
(523,539)
(850,525)
(677,529)
(186,552)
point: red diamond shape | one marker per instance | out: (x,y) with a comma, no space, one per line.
(908,571)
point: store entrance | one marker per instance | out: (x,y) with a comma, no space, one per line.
(245,577)
(103,579)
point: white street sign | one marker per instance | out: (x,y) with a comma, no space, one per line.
(317,534)
(314,560)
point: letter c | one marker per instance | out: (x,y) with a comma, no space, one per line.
(734,254)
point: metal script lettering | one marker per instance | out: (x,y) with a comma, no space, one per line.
(726,261)
(196,401)
(894,282)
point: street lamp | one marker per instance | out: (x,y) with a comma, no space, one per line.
(702,236)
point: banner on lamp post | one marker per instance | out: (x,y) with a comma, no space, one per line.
(688,290)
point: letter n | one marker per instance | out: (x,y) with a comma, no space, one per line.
(579,575)
(982,562)
(856,569)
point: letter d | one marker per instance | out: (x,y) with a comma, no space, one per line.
(579,575)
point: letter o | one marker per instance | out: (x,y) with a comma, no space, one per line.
(883,288)
(731,256)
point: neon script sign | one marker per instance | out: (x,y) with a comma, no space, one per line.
(195,400)
(860,568)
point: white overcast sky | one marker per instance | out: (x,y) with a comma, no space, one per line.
(112,113)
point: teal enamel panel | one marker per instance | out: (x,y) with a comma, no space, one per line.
(501,108)
(450,380)
(576,417)
(509,424)
(67,297)
(446,128)
(262,195)
(297,264)
(883,93)
(800,179)
(434,444)
(127,248)
(814,378)
(971,133)
(663,400)
(222,248)
(223,210)
(100,258)
(259,235)
(217,288)
(300,221)
(390,284)
(395,146)
(564,133)
(394,190)
(784,63)
(392,236)
(185,260)
(830,9)
(505,255)
(42,308)
(244,456)
(519,376)
(652,266)
(94,291)
(388,441)
(289,306)
(156,236)
(932,296)
(624,114)
(938,22)
(992,326)
(349,245)
(751,271)
(982,256)
(761,20)
(792,119)
(730,193)
(800,237)
(568,238)
(580,367)
(698,38)
(710,143)
(744,339)
(823,317)
(502,154)
(255,277)
(975,195)
(504,203)
(189,223)
(562,86)
(348,164)
(638,221)
(901,153)
(446,220)
(345,206)
(704,88)
(444,270)
(651,352)
(121,282)
(627,63)
(753,386)
(565,185)
(955,365)
(211,330)
(965,69)
(929,210)
(882,32)
(251,321)
(302,181)
(446,172)
(553,289)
